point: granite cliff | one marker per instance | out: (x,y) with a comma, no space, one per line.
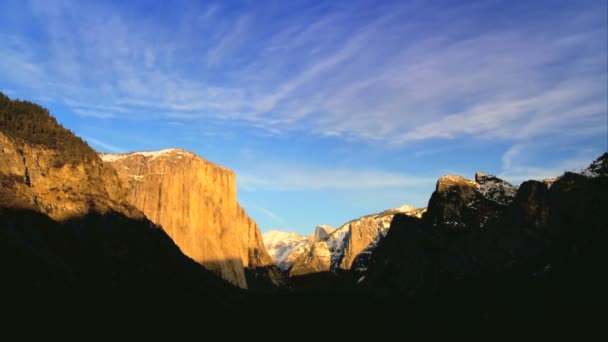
(194,201)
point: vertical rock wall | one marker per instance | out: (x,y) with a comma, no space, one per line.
(195,202)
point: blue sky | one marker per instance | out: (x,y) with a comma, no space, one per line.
(326,110)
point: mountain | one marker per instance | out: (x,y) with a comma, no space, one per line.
(284,248)
(194,201)
(281,245)
(47,169)
(462,203)
(76,259)
(322,233)
(489,235)
(339,249)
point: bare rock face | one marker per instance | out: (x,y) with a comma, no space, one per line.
(362,234)
(317,258)
(348,246)
(33,179)
(253,255)
(195,202)
(321,233)
(461,203)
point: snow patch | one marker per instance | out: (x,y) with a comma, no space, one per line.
(112,157)
(598,167)
(282,245)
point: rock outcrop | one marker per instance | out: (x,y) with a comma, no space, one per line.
(352,241)
(458,202)
(33,179)
(194,201)
(539,231)
(321,233)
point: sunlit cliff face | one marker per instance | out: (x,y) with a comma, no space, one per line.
(195,202)
(61,192)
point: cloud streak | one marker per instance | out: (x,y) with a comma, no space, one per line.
(281,177)
(104,146)
(520,161)
(268,213)
(357,73)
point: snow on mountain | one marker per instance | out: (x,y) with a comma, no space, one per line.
(342,246)
(458,202)
(281,244)
(177,153)
(495,189)
(110,157)
(598,168)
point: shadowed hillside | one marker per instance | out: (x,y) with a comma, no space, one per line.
(103,276)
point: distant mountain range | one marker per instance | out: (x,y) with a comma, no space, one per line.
(328,249)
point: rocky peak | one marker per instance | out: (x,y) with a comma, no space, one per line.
(34,177)
(460,202)
(322,233)
(495,189)
(449,182)
(481,177)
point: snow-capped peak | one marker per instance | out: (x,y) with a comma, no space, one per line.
(280,246)
(405,209)
(274,237)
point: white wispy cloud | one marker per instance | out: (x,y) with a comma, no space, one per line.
(229,40)
(281,177)
(104,146)
(518,161)
(520,173)
(268,213)
(344,73)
